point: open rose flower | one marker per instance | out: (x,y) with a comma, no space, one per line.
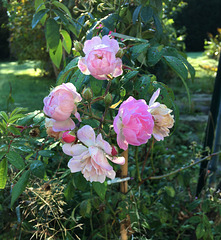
(100,58)
(60,104)
(163,120)
(91,158)
(133,123)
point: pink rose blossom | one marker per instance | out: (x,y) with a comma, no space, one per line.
(133,123)
(100,58)
(163,120)
(61,102)
(91,158)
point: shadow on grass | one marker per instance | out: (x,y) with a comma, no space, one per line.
(27,85)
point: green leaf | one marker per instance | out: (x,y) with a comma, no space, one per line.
(39,5)
(154,55)
(63,7)
(61,15)
(16,160)
(200,231)
(3,173)
(109,21)
(20,186)
(15,117)
(4,116)
(194,219)
(14,130)
(52,33)
(77,79)
(129,38)
(46,153)
(100,189)
(38,168)
(71,66)
(85,208)
(57,55)
(158,26)
(67,43)
(38,16)
(138,49)
(180,69)
(136,14)
(170,191)
(146,14)
(27,120)
(96,85)
(2,154)
(128,76)
(69,191)
(80,182)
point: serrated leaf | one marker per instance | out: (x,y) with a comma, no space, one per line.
(77,79)
(20,186)
(200,231)
(109,21)
(46,153)
(138,49)
(146,14)
(80,182)
(63,7)
(57,55)
(15,117)
(158,26)
(67,43)
(170,191)
(4,116)
(154,55)
(61,16)
(27,120)
(38,168)
(2,154)
(16,160)
(52,33)
(38,16)
(62,76)
(85,208)
(180,69)
(3,173)
(128,76)
(96,86)
(100,189)
(136,13)
(14,130)
(194,219)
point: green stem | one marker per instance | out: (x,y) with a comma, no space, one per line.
(137,164)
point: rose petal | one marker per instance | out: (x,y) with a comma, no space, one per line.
(89,44)
(99,157)
(118,160)
(103,144)
(74,165)
(63,125)
(86,135)
(73,149)
(154,97)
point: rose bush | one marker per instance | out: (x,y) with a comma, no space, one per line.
(100,58)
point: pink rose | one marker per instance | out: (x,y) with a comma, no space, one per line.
(61,102)
(68,137)
(91,158)
(100,58)
(163,120)
(133,123)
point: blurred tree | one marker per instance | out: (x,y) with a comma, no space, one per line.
(199,18)
(4,33)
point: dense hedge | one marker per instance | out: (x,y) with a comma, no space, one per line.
(199,18)
(4,33)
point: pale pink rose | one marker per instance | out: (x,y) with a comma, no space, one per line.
(54,128)
(100,58)
(91,158)
(133,123)
(61,102)
(163,120)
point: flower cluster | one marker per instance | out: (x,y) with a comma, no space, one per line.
(134,124)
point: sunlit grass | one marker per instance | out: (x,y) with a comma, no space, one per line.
(26,83)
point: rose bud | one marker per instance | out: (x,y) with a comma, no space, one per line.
(68,137)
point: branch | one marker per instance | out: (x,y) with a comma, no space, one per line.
(181,169)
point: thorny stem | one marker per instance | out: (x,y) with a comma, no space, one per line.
(94,116)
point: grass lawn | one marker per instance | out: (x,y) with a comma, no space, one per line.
(27,85)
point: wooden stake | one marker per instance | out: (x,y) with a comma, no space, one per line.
(124,189)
